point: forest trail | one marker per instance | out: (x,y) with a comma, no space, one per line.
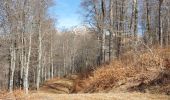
(67,85)
(62,89)
(98,96)
(66,89)
(58,86)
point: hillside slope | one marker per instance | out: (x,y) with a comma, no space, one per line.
(149,73)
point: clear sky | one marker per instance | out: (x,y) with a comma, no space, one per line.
(66,13)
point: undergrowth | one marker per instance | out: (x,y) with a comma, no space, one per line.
(142,73)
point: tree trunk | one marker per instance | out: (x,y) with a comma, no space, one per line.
(51,56)
(103,29)
(39,56)
(12,67)
(135,18)
(159,23)
(26,69)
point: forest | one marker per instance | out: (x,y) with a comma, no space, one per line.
(122,46)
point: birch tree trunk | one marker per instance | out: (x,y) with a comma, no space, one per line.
(39,56)
(22,60)
(26,69)
(12,67)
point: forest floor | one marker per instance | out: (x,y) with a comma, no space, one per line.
(60,89)
(52,89)
(97,96)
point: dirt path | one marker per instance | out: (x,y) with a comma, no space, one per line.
(59,86)
(41,95)
(98,96)
(61,89)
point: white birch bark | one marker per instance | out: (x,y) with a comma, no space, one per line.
(26,69)
(39,57)
(12,67)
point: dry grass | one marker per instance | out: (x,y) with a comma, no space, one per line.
(17,94)
(96,96)
(107,76)
(149,69)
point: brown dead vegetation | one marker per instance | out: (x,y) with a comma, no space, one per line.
(15,95)
(149,73)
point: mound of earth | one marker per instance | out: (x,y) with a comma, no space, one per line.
(58,86)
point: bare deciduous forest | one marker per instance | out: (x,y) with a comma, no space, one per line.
(122,48)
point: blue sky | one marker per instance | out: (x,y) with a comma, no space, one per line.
(66,13)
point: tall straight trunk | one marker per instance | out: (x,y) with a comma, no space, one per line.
(43,71)
(99,37)
(161,34)
(49,68)
(159,23)
(135,17)
(117,32)
(103,46)
(111,28)
(22,60)
(64,59)
(67,58)
(103,9)
(121,28)
(132,16)
(51,56)
(23,63)
(110,38)
(52,69)
(12,67)
(26,69)
(146,39)
(147,15)
(39,56)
